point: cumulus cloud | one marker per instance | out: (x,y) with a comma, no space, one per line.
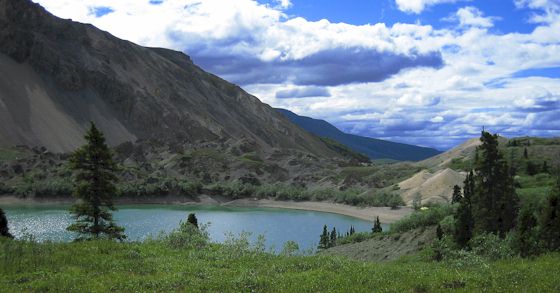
(406,82)
(417,6)
(329,67)
(472,16)
(303,92)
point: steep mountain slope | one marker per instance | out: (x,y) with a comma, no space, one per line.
(56,75)
(373,148)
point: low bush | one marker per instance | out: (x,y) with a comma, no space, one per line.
(423,218)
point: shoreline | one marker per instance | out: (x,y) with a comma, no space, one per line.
(386,214)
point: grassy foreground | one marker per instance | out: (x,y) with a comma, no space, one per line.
(155,266)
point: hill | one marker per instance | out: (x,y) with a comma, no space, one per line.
(56,75)
(371,147)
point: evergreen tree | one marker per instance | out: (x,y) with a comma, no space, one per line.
(544,168)
(439,232)
(332,241)
(324,240)
(494,201)
(4,230)
(352,231)
(192,220)
(550,220)
(525,154)
(377,226)
(464,221)
(456,194)
(532,168)
(525,240)
(95,188)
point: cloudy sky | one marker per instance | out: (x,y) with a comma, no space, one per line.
(426,72)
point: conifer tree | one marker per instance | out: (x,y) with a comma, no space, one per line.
(324,240)
(95,188)
(192,220)
(549,233)
(525,154)
(464,221)
(544,168)
(456,197)
(377,226)
(439,232)
(332,241)
(4,230)
(494,201)
(525,240)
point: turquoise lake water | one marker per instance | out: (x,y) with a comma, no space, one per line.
(47,222)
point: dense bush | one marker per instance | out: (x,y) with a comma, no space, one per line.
(187,236)
(423,218)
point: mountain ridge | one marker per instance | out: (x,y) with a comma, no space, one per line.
(372,147)
(69,73)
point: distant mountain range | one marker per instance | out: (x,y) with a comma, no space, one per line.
(371,147)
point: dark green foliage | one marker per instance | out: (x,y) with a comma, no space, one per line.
(4,230)
(422,218)
(377,226)
(525,238)
(544,167)
(325,239)
(333,236)
(456,194)
(532,168)
(494,202)
(191,219)
(525,155)
(439,232)
(464,221)
(95,188)
(550,221)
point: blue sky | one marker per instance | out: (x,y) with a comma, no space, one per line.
(426,72)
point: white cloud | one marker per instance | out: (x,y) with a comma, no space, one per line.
(423,105)
(417,6)
(472,17)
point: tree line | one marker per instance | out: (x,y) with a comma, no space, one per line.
(488,203)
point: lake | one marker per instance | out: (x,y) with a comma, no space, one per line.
(49,222)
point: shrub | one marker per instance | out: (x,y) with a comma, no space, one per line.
(188,236)
(423,218)
(491,246)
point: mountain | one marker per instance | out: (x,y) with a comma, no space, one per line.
(373,148)
(56,75)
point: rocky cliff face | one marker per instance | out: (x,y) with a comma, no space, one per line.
(56,75)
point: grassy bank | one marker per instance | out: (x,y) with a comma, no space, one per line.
(237,267)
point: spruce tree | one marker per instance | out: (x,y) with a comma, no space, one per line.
(456,197)
(525,154)
(525,240)
(544,168)
(332,241)
(4,230)
(377,226)
(494,201)
(324,240)
(464,221)
(95,188)
(192,220)
(549,233)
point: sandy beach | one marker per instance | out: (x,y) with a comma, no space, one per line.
(386,214)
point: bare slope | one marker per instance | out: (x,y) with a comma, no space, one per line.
(431,187)
(57,75)
(386,247)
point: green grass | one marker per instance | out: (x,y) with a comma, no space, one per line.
(8,154)
(102,266)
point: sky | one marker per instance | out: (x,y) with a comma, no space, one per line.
(424,72)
